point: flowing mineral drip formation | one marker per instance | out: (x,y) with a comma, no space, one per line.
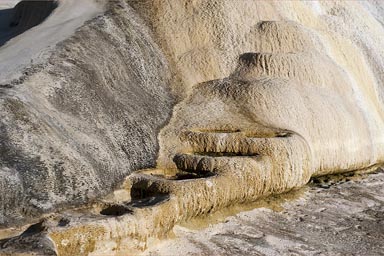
(293,106)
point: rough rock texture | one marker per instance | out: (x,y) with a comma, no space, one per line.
(271,93)
(310,47)
(288,111)
(343,212)
(74,128)
(337,217)
(203,39)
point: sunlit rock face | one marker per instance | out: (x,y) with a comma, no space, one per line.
(288,90)
(270,93)
(292,86)
(290,66)
(203,39)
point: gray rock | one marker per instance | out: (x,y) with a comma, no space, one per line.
(71,130)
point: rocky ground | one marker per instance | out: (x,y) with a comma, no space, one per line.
(331,216)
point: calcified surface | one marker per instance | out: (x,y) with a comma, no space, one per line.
(72,128)
(337,217)
(269,95)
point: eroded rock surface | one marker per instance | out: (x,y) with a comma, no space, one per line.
(72,129)
(270,94)
(331,218)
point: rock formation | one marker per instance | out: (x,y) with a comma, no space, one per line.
(74,127)
(269,94)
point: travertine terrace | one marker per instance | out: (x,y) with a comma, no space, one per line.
(126,117)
